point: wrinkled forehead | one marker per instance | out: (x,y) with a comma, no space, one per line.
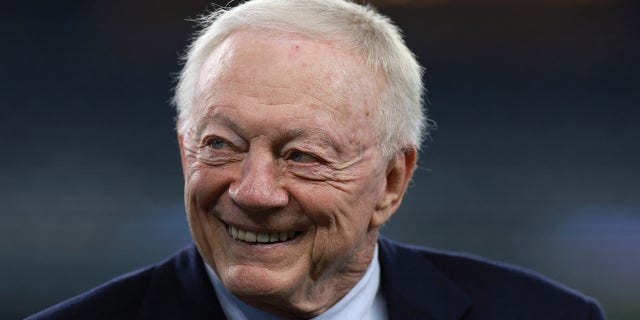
(266,61)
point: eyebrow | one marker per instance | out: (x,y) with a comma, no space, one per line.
(218,118)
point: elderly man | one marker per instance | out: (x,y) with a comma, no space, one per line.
(298,125)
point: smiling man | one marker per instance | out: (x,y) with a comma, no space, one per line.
(286,184)
(299,124)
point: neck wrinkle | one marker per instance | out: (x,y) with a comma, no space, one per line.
(359,302)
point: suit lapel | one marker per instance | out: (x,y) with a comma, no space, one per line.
(414,288)
(180,289)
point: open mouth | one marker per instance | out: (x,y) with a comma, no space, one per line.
(261,237)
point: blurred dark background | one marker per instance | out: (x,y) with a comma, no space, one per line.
(535,161)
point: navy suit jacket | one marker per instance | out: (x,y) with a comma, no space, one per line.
(418,283)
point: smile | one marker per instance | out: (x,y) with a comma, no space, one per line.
(260,237)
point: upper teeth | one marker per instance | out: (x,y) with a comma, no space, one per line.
(250,236)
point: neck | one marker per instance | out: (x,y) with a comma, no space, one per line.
(325,291)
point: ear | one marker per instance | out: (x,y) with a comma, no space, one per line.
(399,173)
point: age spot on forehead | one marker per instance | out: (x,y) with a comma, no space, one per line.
(295,52)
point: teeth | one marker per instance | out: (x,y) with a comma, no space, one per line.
(262,237)
(249,236)
(234,232)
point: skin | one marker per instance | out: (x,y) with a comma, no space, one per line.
(281,139)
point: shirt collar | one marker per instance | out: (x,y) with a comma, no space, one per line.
(364,301)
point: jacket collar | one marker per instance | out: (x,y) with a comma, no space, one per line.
(413,286)
(178,288)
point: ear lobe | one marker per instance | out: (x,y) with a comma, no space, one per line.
(399,173)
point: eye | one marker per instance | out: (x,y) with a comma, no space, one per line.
(217,143)
(301,157)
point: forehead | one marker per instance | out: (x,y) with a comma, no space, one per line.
(285,66)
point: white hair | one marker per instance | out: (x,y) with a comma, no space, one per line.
(399,116)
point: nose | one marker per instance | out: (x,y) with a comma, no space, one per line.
(258,187)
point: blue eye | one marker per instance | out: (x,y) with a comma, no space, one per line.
(298,156)
(217,143)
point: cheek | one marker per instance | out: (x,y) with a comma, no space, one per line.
(341,215)
(340,204)
(205,185)
(203,188)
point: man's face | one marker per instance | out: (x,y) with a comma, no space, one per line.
(283,175)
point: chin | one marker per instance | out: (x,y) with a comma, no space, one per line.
(257,282)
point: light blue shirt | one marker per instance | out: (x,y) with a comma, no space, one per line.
(364,301)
